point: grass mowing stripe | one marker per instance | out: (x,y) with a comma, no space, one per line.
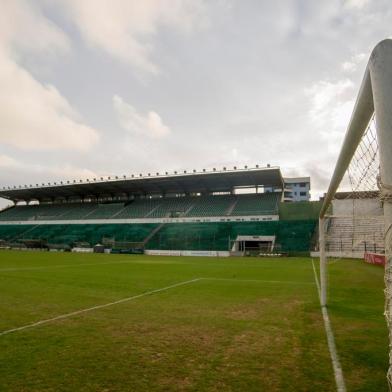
(259,281)
(63,266)
(337,368)
(63,316)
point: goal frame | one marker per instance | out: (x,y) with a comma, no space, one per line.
(374,97)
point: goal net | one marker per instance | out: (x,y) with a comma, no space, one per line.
(354,223)
(356,216)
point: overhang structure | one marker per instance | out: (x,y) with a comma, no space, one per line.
(125,188)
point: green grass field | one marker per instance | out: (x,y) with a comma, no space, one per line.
(249,324)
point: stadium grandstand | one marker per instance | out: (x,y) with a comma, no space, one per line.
(209,211)
(355,225)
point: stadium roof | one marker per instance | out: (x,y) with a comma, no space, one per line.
(203,182)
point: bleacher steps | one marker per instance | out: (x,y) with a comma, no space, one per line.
(119,211)
(189,209)
(232,206)
(348,234)
(152,234)
(89,213)
(21,235)
(152,211)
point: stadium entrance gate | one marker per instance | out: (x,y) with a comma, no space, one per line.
(254,244)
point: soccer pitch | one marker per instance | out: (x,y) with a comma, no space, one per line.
(91,322)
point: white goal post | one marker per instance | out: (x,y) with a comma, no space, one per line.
(375,97)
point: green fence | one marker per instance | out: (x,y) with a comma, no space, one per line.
(291,235)
(69,234)
(303,210)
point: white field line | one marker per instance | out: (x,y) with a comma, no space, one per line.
(77,312)
(337,368)
(316,279)
(63,316)
(41,267)
(258,281)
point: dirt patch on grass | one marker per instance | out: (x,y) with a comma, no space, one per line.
(251,311)
(263,308)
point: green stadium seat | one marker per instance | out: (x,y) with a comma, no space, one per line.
(195,206)
(257,204)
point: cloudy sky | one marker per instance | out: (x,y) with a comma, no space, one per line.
(102,87)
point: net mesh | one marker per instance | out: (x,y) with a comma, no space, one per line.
(363,170)
(356,223)
(363,175)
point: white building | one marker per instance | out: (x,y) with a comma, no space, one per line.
(297,189)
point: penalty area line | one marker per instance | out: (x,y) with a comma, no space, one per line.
(77,312)
(337,368)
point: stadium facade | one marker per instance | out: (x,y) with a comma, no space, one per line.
(238,210)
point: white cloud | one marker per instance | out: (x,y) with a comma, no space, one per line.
(352,65)
(359,4)
(6,161)
(331,105)
(68,172)
(34,115)
(124,28)
(349,66)
(24,27)
(150,125)
(330,108)
(31,172)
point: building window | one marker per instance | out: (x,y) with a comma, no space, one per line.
(302,184)
(302,193)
